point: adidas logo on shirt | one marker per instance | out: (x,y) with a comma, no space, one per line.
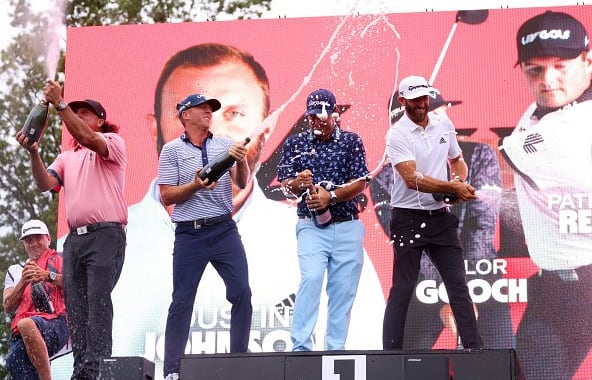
(442,140)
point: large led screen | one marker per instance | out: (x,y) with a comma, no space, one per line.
(516,260)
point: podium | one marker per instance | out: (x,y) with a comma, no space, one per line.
(126,367)
(354,365)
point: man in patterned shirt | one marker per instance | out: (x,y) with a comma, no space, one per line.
(326,166)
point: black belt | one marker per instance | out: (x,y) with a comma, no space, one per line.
(82,230)
(202,222)
(337,218)
(438,211)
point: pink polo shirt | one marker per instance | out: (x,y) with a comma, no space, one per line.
(93,185)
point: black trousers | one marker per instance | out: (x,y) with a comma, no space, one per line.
(92,265)
(555,333)
(412,232)
(424,326)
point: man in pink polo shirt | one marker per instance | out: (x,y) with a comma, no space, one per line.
(92,175)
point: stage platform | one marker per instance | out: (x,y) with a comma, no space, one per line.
(354,365)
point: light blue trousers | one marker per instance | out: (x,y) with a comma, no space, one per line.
(337,250)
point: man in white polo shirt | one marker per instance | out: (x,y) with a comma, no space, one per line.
(420,147)
(550,152)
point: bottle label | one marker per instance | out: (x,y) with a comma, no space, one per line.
(324,218)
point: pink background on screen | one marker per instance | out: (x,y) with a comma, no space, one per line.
(120,65)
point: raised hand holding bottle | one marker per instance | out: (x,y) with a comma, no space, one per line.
(219,165)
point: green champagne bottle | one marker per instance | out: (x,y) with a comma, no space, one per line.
(41,299)
(219,165)
(36,122)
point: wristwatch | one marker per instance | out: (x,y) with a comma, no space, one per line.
(61,106)
(52,276)
(333,199)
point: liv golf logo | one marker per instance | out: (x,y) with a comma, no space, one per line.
(344,367)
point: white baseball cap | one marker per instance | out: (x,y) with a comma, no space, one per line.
(414,86)
(33,227)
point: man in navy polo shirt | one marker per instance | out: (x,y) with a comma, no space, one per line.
(326,167)
(205,232)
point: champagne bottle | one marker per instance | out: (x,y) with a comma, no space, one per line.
(445,197)
(322,218)
(449,198)
(218,166)
(41,299)
(36,122)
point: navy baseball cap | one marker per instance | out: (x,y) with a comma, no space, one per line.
(195,100)
(551,34)
(93,105)
(320,101)
(437,101)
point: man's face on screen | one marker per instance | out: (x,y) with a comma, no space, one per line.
(237,89)
(554,81)
(232,83)
(242,111)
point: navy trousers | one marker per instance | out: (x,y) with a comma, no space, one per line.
(221,246)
